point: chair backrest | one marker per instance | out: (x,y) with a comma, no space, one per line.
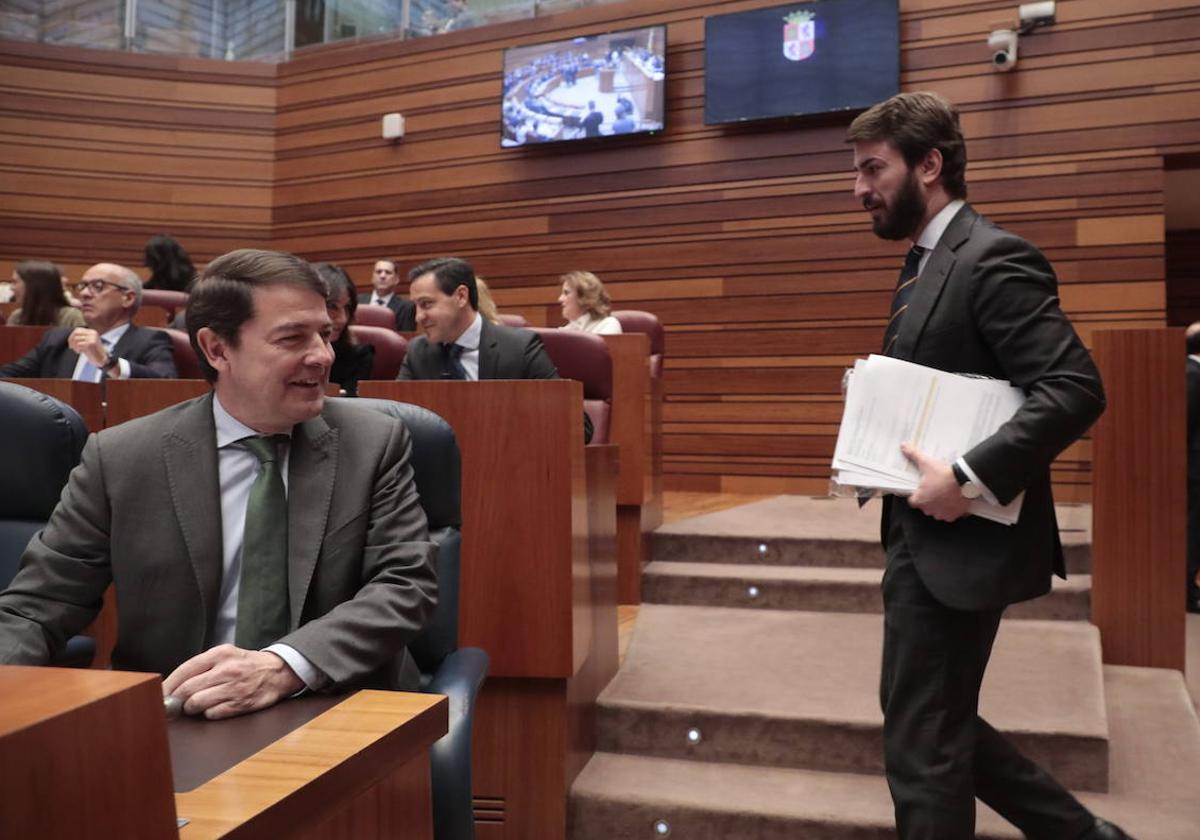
(584,357)
(42,441)
(512,320)
(187,364)
(389,345)
(168,299)
(637,321)
(437,471)
(374,315)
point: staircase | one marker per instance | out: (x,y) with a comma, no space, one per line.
(747,705)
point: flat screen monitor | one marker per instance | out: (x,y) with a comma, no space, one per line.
(802,58)
(586,87)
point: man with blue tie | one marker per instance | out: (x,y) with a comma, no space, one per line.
(110,346)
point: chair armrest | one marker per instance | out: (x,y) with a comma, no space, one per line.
(459,677)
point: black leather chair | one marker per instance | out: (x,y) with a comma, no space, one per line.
(41,444)
(445,667)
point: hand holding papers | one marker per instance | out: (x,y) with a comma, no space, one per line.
(890,402)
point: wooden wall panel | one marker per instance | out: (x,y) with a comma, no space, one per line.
(101,150)
(745,240)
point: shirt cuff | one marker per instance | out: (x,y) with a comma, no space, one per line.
(122,370)
(974,479)
(313,679)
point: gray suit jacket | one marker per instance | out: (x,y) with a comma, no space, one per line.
(987,303)
(143,511)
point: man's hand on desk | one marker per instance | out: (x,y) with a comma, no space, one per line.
(938,494)
(225,681)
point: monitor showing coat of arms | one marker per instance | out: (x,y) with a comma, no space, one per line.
(593,86)
(802,58)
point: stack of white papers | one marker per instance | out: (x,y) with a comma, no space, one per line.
(889,402)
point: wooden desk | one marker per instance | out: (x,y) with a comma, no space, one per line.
(85,754)
(636,427)
(537,590)
(359,770)
(15,342)
(130,398)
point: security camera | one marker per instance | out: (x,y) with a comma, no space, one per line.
(1003,44)
(1032,15)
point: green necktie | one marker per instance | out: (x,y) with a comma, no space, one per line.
(262,616)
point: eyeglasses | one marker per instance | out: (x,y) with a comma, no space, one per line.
(97,286)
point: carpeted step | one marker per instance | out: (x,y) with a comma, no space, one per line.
(626,797)
(820,589)
(815,531)
(800,689)
(1155,758)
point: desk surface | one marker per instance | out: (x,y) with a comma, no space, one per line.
(289,783)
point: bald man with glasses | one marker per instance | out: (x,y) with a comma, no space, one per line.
(110,346)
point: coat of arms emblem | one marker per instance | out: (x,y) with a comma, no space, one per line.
(799,35)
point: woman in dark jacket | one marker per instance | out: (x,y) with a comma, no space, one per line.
(351,362)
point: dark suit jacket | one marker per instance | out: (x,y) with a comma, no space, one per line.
(504,353)
(148,351)
(360,565)
(352,363)
(406,311)
(987,303)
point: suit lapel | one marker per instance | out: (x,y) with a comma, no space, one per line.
(933,280)
(190,452)
(126,341)
(66,363)
(488,357)
(312,468)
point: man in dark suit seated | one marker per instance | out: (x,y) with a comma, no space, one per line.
(385,280)
(109,346)
(972,298)
(458,342)
(289,549)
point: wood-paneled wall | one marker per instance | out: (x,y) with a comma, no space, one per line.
(746,241)
(101,150)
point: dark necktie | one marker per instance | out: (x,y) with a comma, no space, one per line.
(453,368)
(905,286)
(263,616)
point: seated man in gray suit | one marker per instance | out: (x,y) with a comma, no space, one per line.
(293,551)
(109,346)
(458,342)
(385,280)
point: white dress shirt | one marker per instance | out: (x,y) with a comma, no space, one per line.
(382,301)
(589,323)
(109,340)
(929,238)
(237,468)
(469,342)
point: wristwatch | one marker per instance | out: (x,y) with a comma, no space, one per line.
(112,362)
(969,489)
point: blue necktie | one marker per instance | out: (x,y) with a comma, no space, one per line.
(905,285)
(89,372)
(453,367)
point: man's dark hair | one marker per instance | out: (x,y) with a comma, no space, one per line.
(1193,343)
(915,123)
(450,273)
(223,297)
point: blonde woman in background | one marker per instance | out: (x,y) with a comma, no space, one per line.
(487,306)
(585,304)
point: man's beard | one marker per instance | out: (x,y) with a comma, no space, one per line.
(901,221)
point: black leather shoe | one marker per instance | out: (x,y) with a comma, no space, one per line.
(1104,830)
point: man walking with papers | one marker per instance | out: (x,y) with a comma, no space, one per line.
(971,299)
